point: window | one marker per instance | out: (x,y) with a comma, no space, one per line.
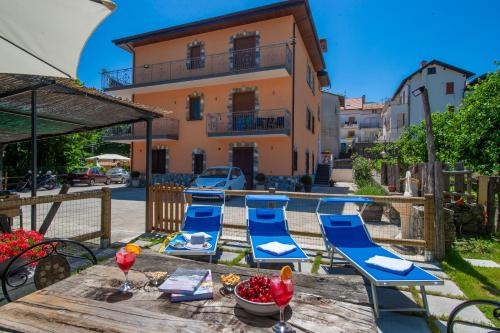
(159,161)
(194,108)
(310,78)
(401,120)
(431,70)
(198,164)
(308,119)
(312,124)
(295,157)
(352,120)
(350,134)
(450,88)
(195,59)
(319,113)
(450,108)
(307,162)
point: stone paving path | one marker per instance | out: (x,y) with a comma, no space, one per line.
(442,299)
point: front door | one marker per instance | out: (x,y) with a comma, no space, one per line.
(243,159)
(243,108)
(159,163)
(244,53)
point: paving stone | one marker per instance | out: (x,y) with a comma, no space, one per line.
(337,270)
(142,243)
(390,298)
(227,256)
(449,288)
(392,322)
(482,263)
(457,328)
(306,267)
(433,268)
(442,306)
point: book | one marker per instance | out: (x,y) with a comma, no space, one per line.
(184,281)
(204,291)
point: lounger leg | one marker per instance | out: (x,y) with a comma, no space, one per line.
(210,259)
(258,267)
(375,300)
(424,299)
(332,251)
(300,266)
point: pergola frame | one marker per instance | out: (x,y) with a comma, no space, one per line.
(76,109)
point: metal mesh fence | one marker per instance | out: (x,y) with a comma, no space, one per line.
(75,219)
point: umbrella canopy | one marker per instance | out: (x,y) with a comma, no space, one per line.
(46,37)
(108,157)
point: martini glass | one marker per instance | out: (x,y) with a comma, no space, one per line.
(125,260)
(282,292)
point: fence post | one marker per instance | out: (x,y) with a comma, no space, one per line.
(271,190)
(105,217)
(429,225)
(149,203)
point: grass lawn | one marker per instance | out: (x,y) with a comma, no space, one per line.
(475,282)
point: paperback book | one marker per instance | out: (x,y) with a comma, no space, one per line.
(184,281)
(204,291)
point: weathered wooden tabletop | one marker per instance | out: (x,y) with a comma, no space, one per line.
(88,302)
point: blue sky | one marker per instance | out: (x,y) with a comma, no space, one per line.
(372,45)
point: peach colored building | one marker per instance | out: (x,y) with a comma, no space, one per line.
(243,89)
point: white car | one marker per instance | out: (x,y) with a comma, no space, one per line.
(221,178)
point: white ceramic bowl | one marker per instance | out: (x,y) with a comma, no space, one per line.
(258,309)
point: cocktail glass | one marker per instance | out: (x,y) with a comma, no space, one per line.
(125,260)
(282,292)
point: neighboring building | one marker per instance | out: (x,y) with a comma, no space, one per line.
(445,84)
(233,92)
(360,123)
(330,119)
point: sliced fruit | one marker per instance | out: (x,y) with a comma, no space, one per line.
(133,248)
(286,273)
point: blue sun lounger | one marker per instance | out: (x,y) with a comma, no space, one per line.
(347,234)
(200,218)
(265,225)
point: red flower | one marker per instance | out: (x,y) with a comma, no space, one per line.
(11,244)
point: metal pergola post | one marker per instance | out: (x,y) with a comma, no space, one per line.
(34,153)
(149,162)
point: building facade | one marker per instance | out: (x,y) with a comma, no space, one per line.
(360,122)
(330,119)
(243,90)
(446,85)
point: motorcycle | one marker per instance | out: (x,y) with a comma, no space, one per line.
(46,181)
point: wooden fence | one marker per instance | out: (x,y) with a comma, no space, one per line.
(165,208)
(104,232)
(167,205)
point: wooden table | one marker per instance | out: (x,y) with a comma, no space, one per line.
(88,302)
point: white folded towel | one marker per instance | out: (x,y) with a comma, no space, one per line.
(392,265)
(277,248)
(187,236)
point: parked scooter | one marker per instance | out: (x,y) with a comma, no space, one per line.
(46,181)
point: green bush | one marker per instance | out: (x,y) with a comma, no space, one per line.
(361,168)
(306,180)
(370,188)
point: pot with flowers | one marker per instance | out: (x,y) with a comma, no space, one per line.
(11,244)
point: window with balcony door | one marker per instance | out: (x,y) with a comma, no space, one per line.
(312,124)
(450,88)
(198,164)
(244,111)
(194,108)
(245,53)
(295,158)
(308,119)
(307,162)
(195,60)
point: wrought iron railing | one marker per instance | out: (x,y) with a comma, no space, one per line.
(163,128)
(255,59)
(242,123)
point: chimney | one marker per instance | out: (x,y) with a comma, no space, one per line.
(423,63)
(324,46)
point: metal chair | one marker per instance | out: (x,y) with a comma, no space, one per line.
(452,319)
(51,265)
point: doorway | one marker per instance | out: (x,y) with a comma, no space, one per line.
(244,53)
(159,164)
(243,159)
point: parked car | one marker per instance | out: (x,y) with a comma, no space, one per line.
(88,176)
(118,175)
(221,178)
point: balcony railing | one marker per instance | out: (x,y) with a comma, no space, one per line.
(241,61)
(165,128)
(353,125)
(245,123)
(370,126)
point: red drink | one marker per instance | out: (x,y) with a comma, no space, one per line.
(125,260)
(281,290)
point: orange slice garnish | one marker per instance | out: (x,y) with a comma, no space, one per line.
(133,248)
(286,273)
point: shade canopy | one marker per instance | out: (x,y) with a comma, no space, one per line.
(105,157)
(47,37)
(63,107)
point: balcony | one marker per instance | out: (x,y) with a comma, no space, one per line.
(249,123)
(348,125)
(262,62)
(165,128)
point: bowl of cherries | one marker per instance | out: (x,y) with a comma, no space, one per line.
(254,295)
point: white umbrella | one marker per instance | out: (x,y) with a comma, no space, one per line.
(46,37)
(108,157)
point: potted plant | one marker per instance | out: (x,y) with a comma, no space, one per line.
(135,178)
(307,181)
(11,244)
(299,187)
(391,188)
(260,181)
